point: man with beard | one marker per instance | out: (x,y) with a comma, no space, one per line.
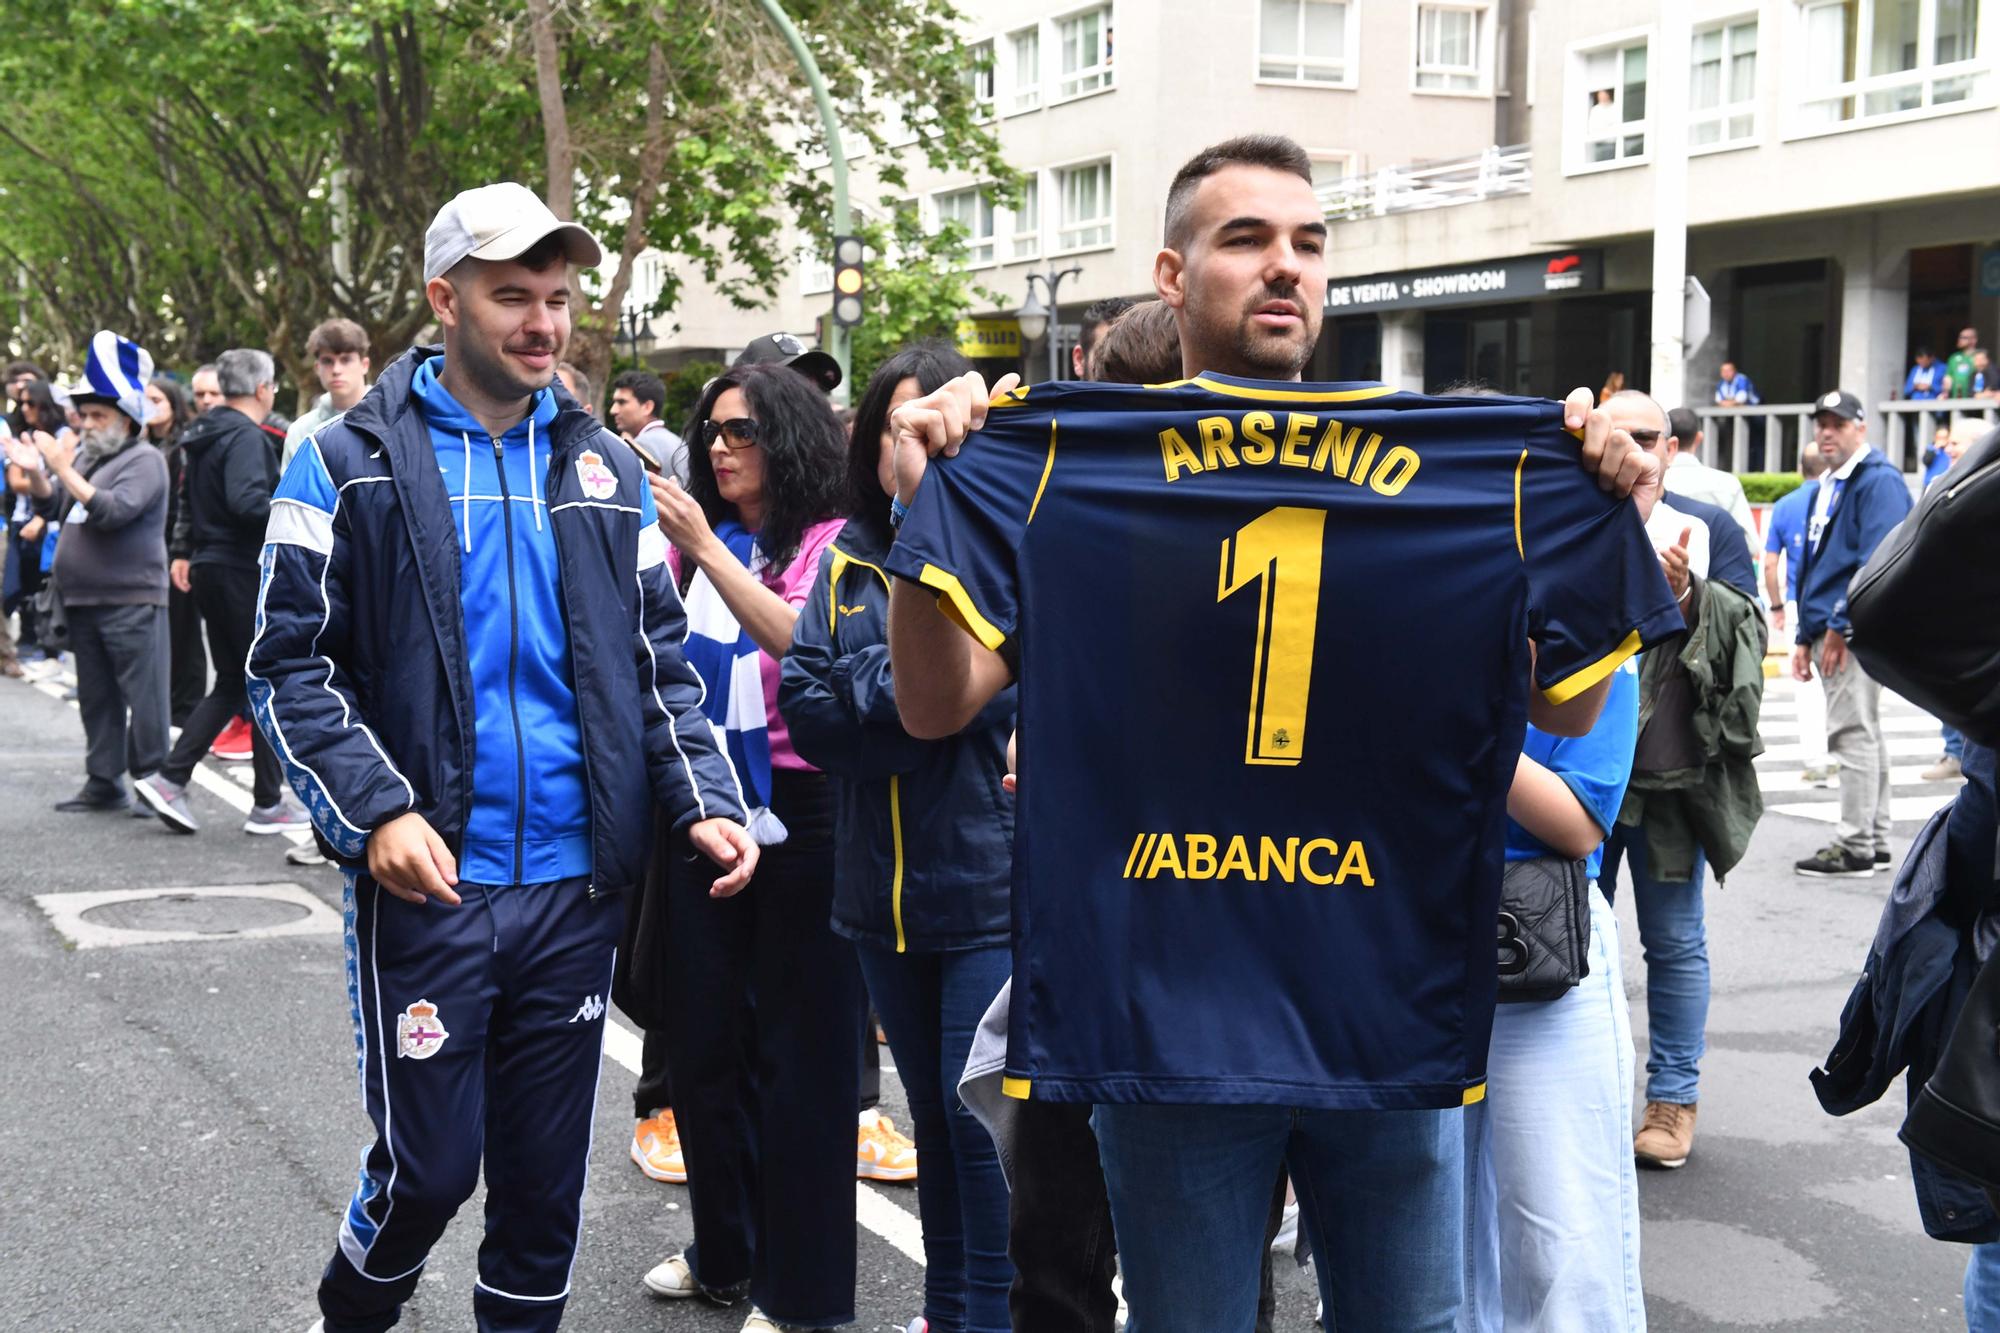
(230,471)
(111,570)
(470,652)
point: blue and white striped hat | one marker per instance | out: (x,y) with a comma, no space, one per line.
(116,371)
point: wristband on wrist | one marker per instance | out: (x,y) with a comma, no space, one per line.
(898,511)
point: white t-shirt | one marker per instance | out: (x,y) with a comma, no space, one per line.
(1665,528)
(1695,479)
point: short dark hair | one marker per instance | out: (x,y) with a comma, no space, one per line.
(1141,346)
(583,385)
(342,337)
(1096,316)
(804,455)
(931,365)
(1274,151)
(1684,425)
(16,369)
(536,258)
(1923,352)
(644,386)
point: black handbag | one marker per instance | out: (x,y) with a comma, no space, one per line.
(1924,607)
(51,617)
(1544,929)
(1955,1117)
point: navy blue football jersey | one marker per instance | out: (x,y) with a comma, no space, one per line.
(1273,651)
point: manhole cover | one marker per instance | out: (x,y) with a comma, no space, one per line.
(199,915)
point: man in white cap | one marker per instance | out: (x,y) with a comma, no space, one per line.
(111,569)
(469,659)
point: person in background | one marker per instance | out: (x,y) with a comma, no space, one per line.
(1927,379)
(1785,540)
(1097,316)
(205,388)
(32,526)
(338,350)
(579,386)
(1936,460)
(1614,384)
(1690,478)
(782,349)
(1958,366)
(171,412)
(766,1060)
(230,471)
(1860,501)
(16,378)
(1984,383)
(1950,767)
(1550,1182)
(922,863)
(636,399)
(1734,389)
(1601,126)
(111,569)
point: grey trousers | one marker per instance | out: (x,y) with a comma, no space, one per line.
(121,674)
(1854,735)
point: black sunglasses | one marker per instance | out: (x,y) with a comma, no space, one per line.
(740,433)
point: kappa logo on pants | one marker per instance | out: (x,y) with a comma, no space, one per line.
(419,1034)
(590,1010)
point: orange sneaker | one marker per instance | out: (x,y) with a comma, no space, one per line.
(883,1154)
(656,1149)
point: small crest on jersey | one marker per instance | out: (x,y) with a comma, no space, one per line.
(599,481)
(419,1033)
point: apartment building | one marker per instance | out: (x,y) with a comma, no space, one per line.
(1488,172)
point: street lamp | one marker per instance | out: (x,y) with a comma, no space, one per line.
(1034,317)
(634,327)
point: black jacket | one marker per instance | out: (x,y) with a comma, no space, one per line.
(926,834)
(228,471)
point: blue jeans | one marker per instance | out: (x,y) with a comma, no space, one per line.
(1982,1289)
(1550,1184)
(1954,743)
(930,1004)
(1675,943)
(1381,1195)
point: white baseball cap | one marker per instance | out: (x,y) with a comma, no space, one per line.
(500,222)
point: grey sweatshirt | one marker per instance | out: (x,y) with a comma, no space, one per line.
(113,551)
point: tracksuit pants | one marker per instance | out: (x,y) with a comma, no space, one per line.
(476,1024)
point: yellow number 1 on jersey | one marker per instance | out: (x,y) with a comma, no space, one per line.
(1280,552)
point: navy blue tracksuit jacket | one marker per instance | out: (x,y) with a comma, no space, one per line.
(482,630)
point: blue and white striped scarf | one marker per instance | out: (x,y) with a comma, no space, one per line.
(726,659)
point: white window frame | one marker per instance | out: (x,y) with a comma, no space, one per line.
(1021,95)
(1726,111)
(1350,74)
(1104,72)
(1026,221)
(1576,94)
(1481,68)
(1054,174)
(982,200)
(988,101)
(1800,95)
(815,272)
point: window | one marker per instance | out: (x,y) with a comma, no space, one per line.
(1026,47)
(815,272)
(972,210)
(1331,169)
(1027,222)
(1084,202)
(1609,106)
(1448,48)
(1305,41)
(1722,85)
(1085,40)
(978,73)
(1865,59)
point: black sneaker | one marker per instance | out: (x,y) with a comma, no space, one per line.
(1882,858)
(1836,862)
(90,801)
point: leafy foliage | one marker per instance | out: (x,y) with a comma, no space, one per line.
(1768,487)
(684,388)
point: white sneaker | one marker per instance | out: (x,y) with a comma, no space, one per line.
(759,1322)
(305,854)
(672,1279)
(287,816)
(1287,1238)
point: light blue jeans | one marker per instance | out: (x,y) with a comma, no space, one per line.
(1552,1194)
(1982,1289)
(1381,1196)
(1675,941)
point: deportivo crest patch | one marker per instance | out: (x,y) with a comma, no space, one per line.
(599,481)
(419,1034)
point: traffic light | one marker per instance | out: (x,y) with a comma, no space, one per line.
(847,251)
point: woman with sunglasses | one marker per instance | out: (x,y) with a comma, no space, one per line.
(765,1060)
(921,875)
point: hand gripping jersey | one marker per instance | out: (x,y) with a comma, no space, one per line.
(1273,651)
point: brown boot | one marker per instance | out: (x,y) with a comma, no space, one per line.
(1667,1136)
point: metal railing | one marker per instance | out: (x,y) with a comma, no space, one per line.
(1765,438)
(1418,186)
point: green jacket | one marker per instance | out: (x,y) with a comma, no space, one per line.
(1712,807)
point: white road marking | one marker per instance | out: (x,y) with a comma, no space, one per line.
(1785,781)
(893,1224)
(65,912)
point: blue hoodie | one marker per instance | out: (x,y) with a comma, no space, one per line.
(530,816)
(1863,509)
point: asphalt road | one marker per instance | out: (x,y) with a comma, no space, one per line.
(181,1121)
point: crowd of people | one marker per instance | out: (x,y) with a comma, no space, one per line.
(778,728)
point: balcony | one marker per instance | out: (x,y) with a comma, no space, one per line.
(1419,187)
